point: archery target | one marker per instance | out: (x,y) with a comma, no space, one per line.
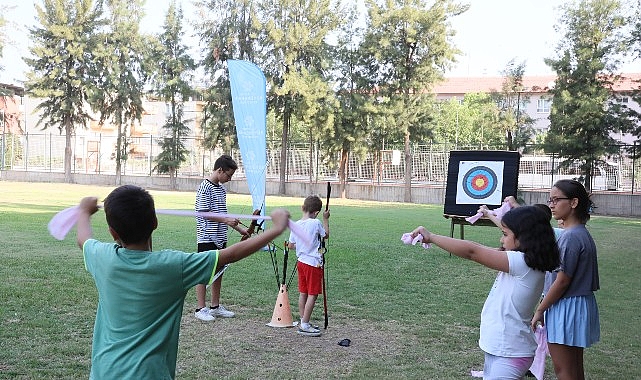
(480,182)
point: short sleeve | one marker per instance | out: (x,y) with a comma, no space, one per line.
(199,268)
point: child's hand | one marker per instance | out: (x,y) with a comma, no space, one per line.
(280,218)
(89,205)
(231,222)
(326,214)
(483,210)
(420,230)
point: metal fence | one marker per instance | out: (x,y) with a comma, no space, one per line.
(94,154)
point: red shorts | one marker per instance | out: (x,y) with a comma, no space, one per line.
(310,279)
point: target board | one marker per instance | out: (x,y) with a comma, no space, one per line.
(477,178)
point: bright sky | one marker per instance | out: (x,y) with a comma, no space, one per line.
(490,34)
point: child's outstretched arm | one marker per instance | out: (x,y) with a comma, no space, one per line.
(481,254)
(240,250)
(87,207)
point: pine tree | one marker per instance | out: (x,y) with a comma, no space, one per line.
(62,49)
(120,74)
(175,67)
(407,51)
(584,112)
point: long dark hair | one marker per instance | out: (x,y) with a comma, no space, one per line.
(574,189)
(531,227)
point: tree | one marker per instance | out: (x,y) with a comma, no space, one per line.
(120,74)
(63,53)
(472,122)
(584,113)
(635,44)
(407,50)
(3,35)
(172,85)
(516,124)
(294,54)
(228,30)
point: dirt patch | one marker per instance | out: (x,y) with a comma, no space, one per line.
(246,348)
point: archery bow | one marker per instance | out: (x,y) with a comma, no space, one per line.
(323,250)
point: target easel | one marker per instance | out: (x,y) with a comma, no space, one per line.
(460,220)
(476,178)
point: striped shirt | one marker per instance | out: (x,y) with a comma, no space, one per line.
(211,197)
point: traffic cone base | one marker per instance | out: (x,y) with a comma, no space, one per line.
(282,316)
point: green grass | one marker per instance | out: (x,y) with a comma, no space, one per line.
(411,313)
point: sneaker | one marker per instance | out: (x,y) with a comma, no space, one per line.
(220,311)
(309,331)
(204,314)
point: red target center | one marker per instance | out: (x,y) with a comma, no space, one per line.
(479,182)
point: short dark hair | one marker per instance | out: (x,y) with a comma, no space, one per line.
(531,227)
(312,203)
(131,213)
(225,162)
(574,189)
(545,208)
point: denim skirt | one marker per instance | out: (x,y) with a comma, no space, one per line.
(573,321)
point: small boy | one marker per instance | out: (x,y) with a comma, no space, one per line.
(141,293)
(310,262)
(211,232)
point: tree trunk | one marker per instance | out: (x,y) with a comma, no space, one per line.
(408,169)
(68,153)
(283,151)
(342,170)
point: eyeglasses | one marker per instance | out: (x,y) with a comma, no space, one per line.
(228,175)
(554,201)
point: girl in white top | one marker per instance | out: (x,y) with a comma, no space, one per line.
(528,250)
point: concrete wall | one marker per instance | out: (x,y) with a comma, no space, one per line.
(608,203)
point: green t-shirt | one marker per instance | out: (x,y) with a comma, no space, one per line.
(140,302)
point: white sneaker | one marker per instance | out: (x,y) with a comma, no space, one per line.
(204,314)
(220,311)
(309,331)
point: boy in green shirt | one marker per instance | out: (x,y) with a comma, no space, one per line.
(141,292)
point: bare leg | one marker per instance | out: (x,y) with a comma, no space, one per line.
(302,300)
(200,295)
(568,361)
(309,307)
(215,291)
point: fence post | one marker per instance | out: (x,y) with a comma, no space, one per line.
(151,150)
(634,164)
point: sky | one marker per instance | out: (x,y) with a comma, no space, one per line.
(489,35)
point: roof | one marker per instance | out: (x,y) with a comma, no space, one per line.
(531,84)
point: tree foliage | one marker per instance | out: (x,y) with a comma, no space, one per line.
(171,84)
(584,113)
(63,48)
(405,51)
(228,30)
(120,74)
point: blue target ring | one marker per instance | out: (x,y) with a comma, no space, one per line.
(479,182)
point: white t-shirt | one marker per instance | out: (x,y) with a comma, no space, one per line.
(508,310)
(306,254)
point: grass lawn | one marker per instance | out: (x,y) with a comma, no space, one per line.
(410,313)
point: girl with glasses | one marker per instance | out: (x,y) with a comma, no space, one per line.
(569,310)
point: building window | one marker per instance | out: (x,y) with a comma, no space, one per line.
(543,106)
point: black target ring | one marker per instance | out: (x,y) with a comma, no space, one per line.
(479,182)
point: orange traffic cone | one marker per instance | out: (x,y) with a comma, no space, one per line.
(282,316)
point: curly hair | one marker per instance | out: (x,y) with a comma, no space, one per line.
(130,211)
(531,227)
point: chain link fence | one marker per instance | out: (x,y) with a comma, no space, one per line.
(95,154)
